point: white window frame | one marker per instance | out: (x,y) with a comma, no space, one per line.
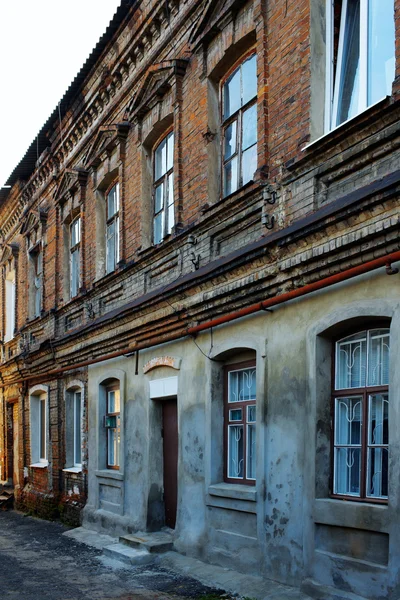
(75,257)
(164,182)
(332,88)
(39,426)
(112,259)
(79,432)
(10,294)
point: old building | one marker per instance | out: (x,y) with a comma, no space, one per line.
(199,290)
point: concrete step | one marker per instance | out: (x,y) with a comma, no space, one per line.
(130,556)
(155,543)
(322,592)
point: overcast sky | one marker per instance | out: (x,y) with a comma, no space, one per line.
(43,45)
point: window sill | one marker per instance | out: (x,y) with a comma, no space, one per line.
(110,474)
(235,491)
(40,465)
(346,513)
(73,470)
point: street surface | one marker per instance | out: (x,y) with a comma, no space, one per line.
(38,563)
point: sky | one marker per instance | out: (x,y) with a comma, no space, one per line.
(43,45)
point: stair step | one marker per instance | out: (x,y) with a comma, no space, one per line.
(130,556)
(154,543)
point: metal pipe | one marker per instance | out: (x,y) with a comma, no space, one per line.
(263,305)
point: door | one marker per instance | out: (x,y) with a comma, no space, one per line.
(170,449)
(15,444)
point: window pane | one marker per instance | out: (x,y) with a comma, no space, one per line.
(75,272)
(77,429)
(113,447)
(160,160)
(170,151)
(42,408)
(251,414)
(242,385)
(112,202)
(251,451)
(75,232)
(249,78)
(235,415)
(111,401)
(235,451)
(158,227)
(378,357)
(378,430)
(249,125)
(348,421)
(158,198)
(377,478)
(171,215)
(111,247)
(347,471)
(249,164)
(232,99)
(350,64)
(351,359)
(381,61)
(230,140)
(230,177)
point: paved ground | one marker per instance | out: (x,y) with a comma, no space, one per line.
(38,563)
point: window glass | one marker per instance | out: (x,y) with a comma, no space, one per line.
(232,94)
(163,190)
(249,79)
(114,428)
(42,434)
(381,59)
(77,429)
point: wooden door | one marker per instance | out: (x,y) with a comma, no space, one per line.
(15,444)
(170,448)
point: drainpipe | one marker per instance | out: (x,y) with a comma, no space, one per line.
(384,261)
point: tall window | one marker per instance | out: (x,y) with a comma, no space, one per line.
(38,417)
(365,62)
(239,108)
(38,280)
(113,425)
(112,229)
(361,415)
(240,423)
(10,306)
(163,192)
(74,257)
(73,418)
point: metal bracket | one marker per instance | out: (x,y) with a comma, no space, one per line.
(268,221)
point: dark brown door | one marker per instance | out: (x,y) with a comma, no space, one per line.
(170,447)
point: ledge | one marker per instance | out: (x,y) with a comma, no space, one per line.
(109,474)
(233,490)
(356,515)
(73,470)
(40,465)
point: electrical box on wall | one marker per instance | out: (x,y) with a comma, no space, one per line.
(110,421)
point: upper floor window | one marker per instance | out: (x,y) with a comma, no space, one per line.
(35,280)
(239,118)
(163,189)
(74,256)
(364,59)
(361,415)
(10,306)
(112,229)
(38,428)
(240,423)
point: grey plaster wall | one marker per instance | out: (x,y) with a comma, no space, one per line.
(286,526)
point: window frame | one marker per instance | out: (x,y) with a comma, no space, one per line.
(163,180)
(236,116)
(112,388)
(75,432)
(75,249)
(334,62)
(364,393)
(113,220)
(10,292)
(243,405)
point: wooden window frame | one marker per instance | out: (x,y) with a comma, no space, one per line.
(236,116)
(237,405)
(363,392)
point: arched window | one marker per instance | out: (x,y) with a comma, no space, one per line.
(361,415)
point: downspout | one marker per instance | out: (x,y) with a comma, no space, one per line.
(384,261)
